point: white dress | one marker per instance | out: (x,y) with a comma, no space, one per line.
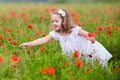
(74,42)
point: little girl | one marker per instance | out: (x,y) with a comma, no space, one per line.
(72,38)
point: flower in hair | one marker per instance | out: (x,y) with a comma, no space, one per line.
(61,12)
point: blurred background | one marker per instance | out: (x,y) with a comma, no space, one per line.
(59,1)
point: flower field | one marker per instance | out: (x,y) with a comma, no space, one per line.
(25,22)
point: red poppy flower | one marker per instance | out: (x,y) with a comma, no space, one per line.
(14,43)
(15,59)
(10,39)
(41,18)
(36,32)
(9,30)
(0,44)
(29,38)
(1,37)
(49,70)
(76,54)
(46,10)
(24,19)
(1,60)
(109,31)
(117,28)
(29,26)
(94,20)
(43,71)
(95,33)
(108,27)
(3,27)
(18,31)
(43,34)
(79,63)
(76,20)
(110,8)
(100,28)
(12,13)
(118,11)
(79,24)
(111,21)
(72,14)
(23,14)
(90,34)
(42,49)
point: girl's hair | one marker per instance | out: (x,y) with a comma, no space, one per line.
(66,21)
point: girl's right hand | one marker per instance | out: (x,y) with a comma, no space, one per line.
(92,39)
(24,45)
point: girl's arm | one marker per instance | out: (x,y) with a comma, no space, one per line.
(36,42)
(85,34)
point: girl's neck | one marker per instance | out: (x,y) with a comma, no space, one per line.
(64,33)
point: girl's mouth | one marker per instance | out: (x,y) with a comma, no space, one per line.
(55,26)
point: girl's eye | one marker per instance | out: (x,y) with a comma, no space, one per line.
(56,21)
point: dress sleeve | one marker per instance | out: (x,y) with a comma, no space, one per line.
(77,29)
(54,35)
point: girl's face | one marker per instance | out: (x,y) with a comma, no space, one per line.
(56,22)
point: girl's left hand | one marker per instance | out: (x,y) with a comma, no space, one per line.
(92,39)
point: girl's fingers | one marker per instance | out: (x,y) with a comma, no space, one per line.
(93,40)
(22,45)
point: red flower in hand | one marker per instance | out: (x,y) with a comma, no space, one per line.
(90,34)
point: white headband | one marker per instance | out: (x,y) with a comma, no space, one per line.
(61,12)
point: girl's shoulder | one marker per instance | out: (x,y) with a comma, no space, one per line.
(54,35)
(53,32)
(76,28)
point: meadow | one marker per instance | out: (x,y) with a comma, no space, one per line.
(25,22)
